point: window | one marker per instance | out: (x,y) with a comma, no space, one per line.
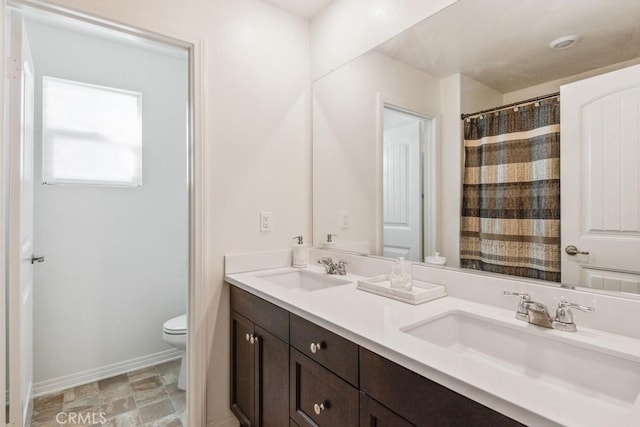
(91,134)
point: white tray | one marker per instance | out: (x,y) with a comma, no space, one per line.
(421,291)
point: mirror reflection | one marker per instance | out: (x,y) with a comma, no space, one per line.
(437,71)
(407,166)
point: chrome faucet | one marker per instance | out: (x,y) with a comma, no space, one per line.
(564,316)
(537,313)
(330,267)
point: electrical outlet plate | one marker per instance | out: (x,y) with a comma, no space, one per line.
(265,221)
(344,217)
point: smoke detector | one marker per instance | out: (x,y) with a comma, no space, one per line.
(564,42)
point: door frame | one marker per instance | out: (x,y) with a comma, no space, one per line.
(430,180)
(196,307)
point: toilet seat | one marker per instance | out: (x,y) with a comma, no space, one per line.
(176,326)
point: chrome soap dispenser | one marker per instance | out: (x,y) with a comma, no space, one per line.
(300,253)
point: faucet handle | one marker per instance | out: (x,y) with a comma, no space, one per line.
(523,312)
(567,304)
(341,267)
(518,294)
(564,316)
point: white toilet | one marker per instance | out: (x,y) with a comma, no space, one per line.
(174,332)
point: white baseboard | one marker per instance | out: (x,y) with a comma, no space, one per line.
(231,421)
(61,383)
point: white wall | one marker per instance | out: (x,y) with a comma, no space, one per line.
(346,29)
(347,146)
(450,139)
(554,85)
(116,258)
(255,126)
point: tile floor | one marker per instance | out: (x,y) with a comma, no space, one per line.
(148,397)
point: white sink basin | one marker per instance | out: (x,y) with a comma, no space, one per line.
(303,280)
(539,354)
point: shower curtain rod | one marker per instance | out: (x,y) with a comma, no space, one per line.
(514,104)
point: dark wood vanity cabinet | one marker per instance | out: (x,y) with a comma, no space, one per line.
(259,361)
(419,400)
(288,371)
(323,377)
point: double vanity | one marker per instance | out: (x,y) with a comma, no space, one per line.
(309,348)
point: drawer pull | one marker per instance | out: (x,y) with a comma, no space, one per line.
(254,339)
(248,337)
(318,408)
(315,347)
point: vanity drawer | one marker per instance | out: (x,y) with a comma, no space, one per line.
(318,397)
(373,414)
(419,400)
(269,316)
(335,353)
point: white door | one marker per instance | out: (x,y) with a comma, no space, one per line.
(600,181)
(402,214)
(20,221)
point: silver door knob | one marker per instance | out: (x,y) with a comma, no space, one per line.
(572,250)
(35,259)
(254,339)
(315,347)
(247,337)
(318,408)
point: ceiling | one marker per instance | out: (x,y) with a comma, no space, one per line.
(306,9)
(504,43)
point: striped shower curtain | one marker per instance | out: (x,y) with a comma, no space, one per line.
(511,192)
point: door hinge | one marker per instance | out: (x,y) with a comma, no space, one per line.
(12,68)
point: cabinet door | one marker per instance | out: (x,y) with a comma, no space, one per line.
(273,380)
(318,397)
(243,372)
(373,414)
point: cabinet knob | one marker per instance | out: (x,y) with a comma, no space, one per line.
(315,347)
(318,408)
(251,338)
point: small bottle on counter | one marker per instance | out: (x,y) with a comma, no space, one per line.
(300,253)
(329,243)
(400,276)
(436,260)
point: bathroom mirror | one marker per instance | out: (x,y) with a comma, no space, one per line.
(471,56)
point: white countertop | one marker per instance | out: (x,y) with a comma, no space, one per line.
(374,322)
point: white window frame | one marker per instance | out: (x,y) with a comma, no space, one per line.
(48,134)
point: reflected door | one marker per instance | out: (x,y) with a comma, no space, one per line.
(402,190)
(600,178)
